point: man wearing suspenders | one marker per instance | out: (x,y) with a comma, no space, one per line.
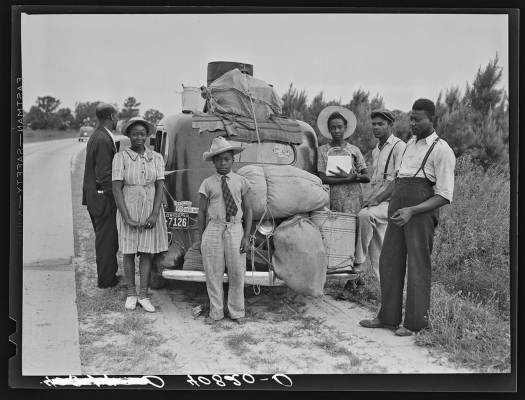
(373,218)
(424,183)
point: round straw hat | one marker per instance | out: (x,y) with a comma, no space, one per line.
(220,145)
(131,121)
(322,120)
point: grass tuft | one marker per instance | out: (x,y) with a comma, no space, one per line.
(471,246)
(239,342)
(473,333)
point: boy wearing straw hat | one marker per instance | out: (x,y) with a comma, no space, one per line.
(224,242)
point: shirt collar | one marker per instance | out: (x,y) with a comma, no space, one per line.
(429,139)
(228,175)
(390,140)
(148,154)
(110,133)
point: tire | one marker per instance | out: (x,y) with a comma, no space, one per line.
(156,280)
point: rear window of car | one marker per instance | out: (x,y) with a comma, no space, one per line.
(264,153)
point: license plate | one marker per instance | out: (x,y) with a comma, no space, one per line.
(176,220)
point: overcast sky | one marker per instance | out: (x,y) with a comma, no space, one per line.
(401,57)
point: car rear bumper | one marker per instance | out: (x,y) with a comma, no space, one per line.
(261,278)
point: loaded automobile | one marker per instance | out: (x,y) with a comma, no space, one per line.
(182,138)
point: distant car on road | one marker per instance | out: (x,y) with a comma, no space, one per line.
(85,133)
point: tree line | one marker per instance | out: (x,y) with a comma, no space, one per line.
(474,122)
(46,114)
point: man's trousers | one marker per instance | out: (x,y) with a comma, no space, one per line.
(371,228)
(106,247)
(407,249)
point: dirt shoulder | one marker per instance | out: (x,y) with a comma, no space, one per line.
(284,333)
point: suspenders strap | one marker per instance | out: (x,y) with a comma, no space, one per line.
(422,167)
(388,159)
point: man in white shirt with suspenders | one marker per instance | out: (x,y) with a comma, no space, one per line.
(373,218)
(424,183)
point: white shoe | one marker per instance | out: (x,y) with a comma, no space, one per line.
(131,302)
(146,304)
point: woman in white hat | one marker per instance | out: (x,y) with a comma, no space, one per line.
(138,179)
(345,175)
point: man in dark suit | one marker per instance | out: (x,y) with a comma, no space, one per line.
(98,196)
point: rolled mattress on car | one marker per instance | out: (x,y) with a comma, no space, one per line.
(286,190)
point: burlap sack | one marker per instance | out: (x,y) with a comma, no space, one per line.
(299,258)
(287,190)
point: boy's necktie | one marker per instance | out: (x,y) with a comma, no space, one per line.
(231,207)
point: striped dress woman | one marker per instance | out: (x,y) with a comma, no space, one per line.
(139,173)
(138,178)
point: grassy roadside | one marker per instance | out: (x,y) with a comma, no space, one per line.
(279,335)
(110,339)
(471,328)
(470,315)
(470,295)
(41,135)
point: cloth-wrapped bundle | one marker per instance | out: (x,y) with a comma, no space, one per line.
(240,94)
(284,189)
(299,258)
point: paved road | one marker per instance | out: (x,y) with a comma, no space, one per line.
(49,314)
(48,215)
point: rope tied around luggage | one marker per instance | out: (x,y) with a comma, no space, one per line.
(253,248)
(254,117)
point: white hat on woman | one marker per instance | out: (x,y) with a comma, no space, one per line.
(131,121)
(322,120)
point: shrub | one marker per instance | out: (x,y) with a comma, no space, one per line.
(471,246)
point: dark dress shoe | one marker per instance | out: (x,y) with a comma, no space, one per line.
(375,323)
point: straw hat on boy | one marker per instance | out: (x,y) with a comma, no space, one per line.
(322,120)
(220,145)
